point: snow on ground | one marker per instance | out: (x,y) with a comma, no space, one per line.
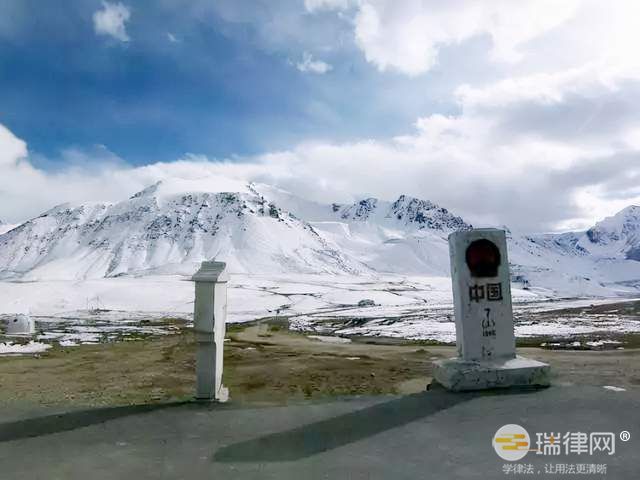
(414,307)
(250,297)
(329,339)
(437,323)
(614,389)
(574,325)
(10,348)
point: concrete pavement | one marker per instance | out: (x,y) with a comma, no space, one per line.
(435,434)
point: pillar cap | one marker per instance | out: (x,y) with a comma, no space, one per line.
(214,272)
(477,232)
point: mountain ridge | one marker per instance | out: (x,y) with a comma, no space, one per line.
(171,226)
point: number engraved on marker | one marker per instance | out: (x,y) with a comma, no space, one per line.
(488,324)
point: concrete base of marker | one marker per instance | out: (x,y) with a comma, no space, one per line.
(459,375)
(221,396)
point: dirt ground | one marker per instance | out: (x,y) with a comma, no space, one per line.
(264,364)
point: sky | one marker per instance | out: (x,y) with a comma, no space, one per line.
(507,113)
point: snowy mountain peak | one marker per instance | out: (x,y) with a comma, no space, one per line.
(624,225)
(171,187)
(425,214)
(361,210)
(147,192)
(164,229)
(615,236)
(406,210)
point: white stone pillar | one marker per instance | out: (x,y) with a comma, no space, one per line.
(484,318)
(209,319)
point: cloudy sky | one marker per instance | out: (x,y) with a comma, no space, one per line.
(519,113)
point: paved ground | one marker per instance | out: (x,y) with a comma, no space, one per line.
(435,434)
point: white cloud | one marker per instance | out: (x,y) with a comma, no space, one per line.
(111,20)
(309,65)
(12,149)
(407,36)
(514,155)
(554,143)
(315,5)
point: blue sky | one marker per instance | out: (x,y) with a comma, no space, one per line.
(518,113)
(215,87)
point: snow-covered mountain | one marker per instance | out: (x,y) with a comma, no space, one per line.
(166,229)
(615,236)
(173,225)
(601,260)
(407,236)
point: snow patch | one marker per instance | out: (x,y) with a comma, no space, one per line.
(614,389)
(329,339)
(10,348)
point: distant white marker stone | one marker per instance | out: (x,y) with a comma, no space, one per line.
(484,318)
(210,315)
(21,324)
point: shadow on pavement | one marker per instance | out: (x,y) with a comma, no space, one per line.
(338,431)
(335,432)
(46,425)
